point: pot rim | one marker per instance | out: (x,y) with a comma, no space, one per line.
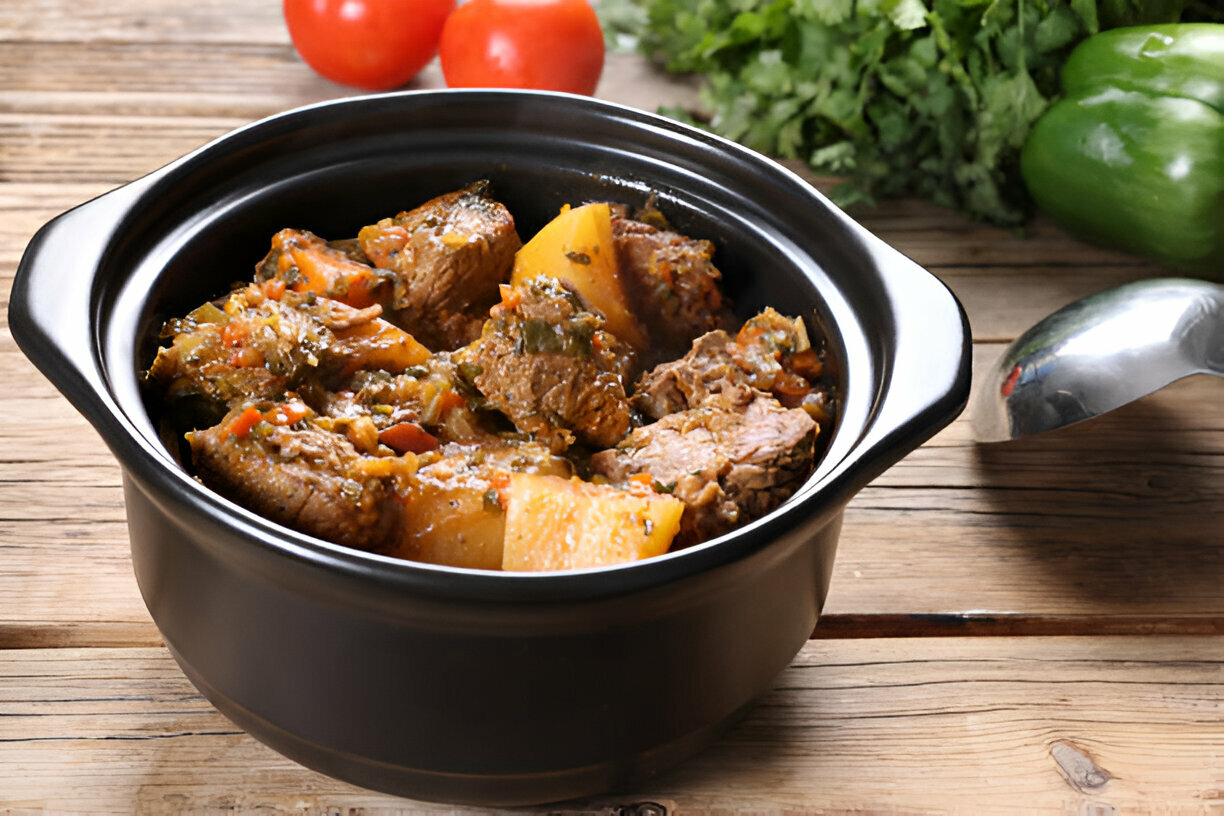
(888,431)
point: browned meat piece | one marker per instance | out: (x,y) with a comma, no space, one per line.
(257,347)
(770,353)
(447,258)
(305,477)
(672,282)
(544,361)
(724,443)
(729,463)
(708,369)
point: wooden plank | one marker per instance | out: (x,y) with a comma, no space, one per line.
(1071,523)
(1062,534)
(1053,535)
(956,725)
(1002,300)
(247,81)
(221,22)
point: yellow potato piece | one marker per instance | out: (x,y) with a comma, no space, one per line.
(576,247)
(554,523)
(452,512)
(452,522)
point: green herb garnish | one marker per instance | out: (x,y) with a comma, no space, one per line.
(897,97)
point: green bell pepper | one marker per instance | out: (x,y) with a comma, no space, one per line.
(1133,156)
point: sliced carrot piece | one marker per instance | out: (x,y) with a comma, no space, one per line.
(274,288)
(287,414)
(233,333)
(323,270)
(408,437)
(449,401)
(242,424)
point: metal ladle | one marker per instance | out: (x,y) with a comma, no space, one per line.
(1100,353)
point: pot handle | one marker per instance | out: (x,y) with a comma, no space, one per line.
(51,304)
(925,381)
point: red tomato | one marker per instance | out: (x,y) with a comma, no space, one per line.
(552,45)
(371,44)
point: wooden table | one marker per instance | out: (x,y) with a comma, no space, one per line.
(1036,626)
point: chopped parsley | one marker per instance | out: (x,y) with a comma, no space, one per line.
(896,97)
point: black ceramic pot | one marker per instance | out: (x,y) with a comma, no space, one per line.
(442,683)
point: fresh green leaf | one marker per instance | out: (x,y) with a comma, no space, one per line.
(898,97)
(1086,10)
(907,14)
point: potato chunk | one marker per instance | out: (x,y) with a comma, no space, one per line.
(577,248)
(452,511)
(554,523)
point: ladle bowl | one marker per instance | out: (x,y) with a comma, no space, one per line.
(1100,353)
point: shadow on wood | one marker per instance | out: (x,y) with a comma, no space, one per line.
(1097,519)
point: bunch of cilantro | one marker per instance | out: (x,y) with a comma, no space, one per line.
(896,97)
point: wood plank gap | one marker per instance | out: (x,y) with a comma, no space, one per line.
(94,634)
(1008,624)
(833,626)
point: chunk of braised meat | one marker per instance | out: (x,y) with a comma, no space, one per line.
(709,369)
(281,463)
(672,283)
(256,347)
(737,424)
(729,461)
(446,258)
(545,362)
(771,353)
(304,262)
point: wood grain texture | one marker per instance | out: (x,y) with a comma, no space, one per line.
(982,725)
(1048,535)
(1031,627)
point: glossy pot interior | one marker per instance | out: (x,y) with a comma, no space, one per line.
(443,683)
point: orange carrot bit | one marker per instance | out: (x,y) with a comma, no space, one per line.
(242,424)
(641,484)
(499,486)
(807,364)
(233,333)
(274,288)
(360,290)
(408,437)
(246,358)
(510,297)
(448,401)
(289,413)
